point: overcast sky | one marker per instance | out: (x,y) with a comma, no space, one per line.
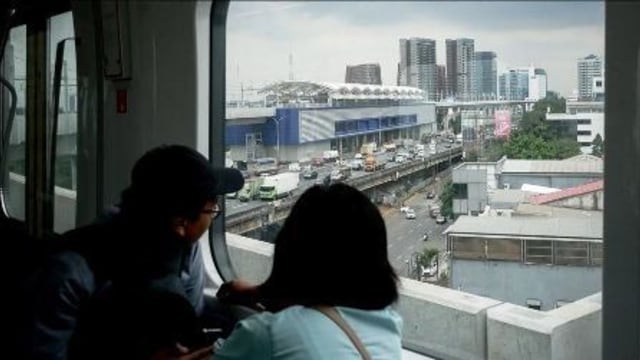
(323,37)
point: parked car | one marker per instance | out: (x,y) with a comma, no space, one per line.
(440,219)
(410,214)
(431,195)
(404,209)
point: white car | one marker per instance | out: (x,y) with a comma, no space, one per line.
(410,214)
(440,219)
(404,209)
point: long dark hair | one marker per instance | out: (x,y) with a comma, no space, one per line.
(332,250)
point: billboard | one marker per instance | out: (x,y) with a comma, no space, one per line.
(502,120)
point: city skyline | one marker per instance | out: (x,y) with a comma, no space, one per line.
(325,37)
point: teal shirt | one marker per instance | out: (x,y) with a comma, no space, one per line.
(302,333)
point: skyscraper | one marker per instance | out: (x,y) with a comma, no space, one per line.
(364,74)
(417,66)
(441,83)
(537,83)
(514,84)
(588,68)
(486,75)
(461,67)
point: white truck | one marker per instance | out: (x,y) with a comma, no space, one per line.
(278,186)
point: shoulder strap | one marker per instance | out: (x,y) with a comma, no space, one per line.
(334,315)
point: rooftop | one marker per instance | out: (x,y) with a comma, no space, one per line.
(567,193)
(343,90)
(586,165)
(532,221)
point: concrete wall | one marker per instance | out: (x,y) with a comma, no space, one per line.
(516,282)
(516,181)
(450,324)
(477,196)
(570,332)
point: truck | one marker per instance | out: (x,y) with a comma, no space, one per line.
(369,148)
(250,190)
(278,186)
(371,163)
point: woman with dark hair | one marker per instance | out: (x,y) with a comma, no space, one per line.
(330,273)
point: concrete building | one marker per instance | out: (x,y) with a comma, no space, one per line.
(417,66)
(486,76)
(540,256)
(597,88)
(363,74)
(588,67)
(441,83)
(537,83)
(476,182)
(307,118)
(587,126)
(559,174)
(461,67)
(514,84)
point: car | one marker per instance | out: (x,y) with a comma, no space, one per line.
(431,195)
(404,209)
(440,219)
(310,174)
(410,214)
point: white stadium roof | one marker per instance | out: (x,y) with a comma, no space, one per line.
(343,90)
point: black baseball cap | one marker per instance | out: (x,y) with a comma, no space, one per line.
(177,173)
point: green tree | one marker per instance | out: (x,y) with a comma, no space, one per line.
(534,123)
(495,149)
(597,146)
(566,148)
(529,146)
(553,102)
(446,198)
(471,155)
(426,257)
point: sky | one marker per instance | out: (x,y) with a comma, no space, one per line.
(323,37)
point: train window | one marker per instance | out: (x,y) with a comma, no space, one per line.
(65,175)
(14,70)
(387,101)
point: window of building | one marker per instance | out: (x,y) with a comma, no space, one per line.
(584,122)
(538,252)
(504,249)
(460,191)
(584,132)
(571,253)
(468,248)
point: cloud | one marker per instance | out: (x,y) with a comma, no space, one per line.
(324,37)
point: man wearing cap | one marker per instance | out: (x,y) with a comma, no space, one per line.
(150,240)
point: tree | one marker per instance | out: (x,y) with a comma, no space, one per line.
(426,257)
(553,102)
(446,198)
(471,155)
(597,146)
(566,148)
(528,146)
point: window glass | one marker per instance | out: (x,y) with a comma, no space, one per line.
(409,88)
(14,69)
(65,176)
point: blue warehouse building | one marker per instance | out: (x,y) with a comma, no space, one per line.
(300,120)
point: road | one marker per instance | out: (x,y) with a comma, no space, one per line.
(404,236)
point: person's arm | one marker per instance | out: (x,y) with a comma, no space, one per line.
(193,279)
(250,340)
(65,285)
(240,292)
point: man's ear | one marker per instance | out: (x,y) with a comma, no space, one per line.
(179,226)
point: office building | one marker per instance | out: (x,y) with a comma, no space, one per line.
(417,66)
(588,67)
(363,74)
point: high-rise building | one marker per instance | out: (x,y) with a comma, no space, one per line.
(461,67)
(363,74)
(417,66)
(588,68)
(537,83)
(441,83)
(514,84)
(486,75)
(452,67)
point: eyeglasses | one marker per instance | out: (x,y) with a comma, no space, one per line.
(213,212)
